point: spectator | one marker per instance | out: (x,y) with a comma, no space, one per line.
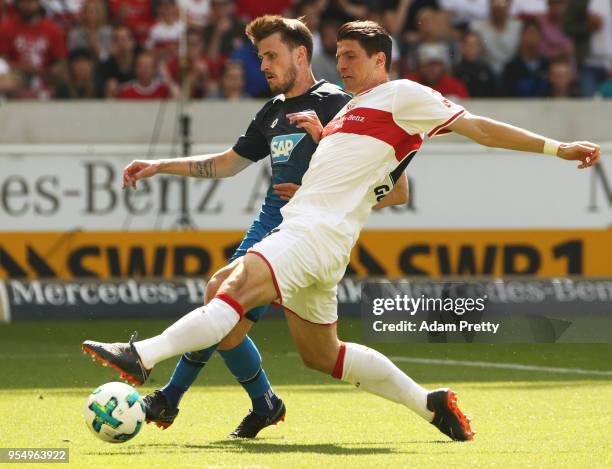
(385,18)
(165,34)
(598,61)
(434,61)
(605,89)
(526,74)
(81,83)
(311,11)
(225,33)
(34,47)
(500,35)
(135,14)
(256,84)
(473,71)
(356,9)
(561,80)
(416,6)
(146,85)
(7,8)
(394,15)
(198,75)
(465,12)
(324,63)
(247,10)
(63,12)
(197,12)
(433,28)
(94,32)
(578,24)
(528,9)
(8,81)
(232,82)
(119,68)
(556,44)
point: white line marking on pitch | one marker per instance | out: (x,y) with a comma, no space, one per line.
(32,356)
(504,366)
(421,361)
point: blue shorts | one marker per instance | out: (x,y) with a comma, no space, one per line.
(256,233)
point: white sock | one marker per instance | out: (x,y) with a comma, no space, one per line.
(372,371)
(197,330)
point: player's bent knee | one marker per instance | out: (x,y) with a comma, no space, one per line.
(216,281)
(211,288)
(318,363)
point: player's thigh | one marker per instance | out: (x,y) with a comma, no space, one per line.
(317,344)
(217,279)
(236,335)
(250,282)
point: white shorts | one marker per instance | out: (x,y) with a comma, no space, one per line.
(306,264)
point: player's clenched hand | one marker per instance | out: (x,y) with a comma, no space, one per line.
(138,169)
(309,121)
(286,190)
(586,152)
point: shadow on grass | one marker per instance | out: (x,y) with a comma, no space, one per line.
(268,447)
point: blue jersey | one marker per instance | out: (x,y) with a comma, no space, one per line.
(289,147)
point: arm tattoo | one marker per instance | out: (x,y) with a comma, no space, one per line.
(203,169)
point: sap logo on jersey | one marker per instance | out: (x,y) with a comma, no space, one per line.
(282,146)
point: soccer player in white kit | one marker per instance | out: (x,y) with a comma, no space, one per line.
(301,262)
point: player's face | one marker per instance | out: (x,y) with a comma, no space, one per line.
(357,70)
(277,63)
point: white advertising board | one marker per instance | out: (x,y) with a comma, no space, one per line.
(455,186)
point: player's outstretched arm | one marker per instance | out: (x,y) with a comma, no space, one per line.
(493,133)
(397,196)
(212,166)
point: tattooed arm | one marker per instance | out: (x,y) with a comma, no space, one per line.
(213,166)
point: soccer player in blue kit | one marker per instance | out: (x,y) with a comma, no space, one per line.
(285,47)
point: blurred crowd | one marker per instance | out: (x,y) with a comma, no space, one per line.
(130,49)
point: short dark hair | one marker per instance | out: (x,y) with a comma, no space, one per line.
(371,36)
(294,32)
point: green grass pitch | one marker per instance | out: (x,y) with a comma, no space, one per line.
(524,418)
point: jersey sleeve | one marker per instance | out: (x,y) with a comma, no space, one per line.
(253,144)
(332,106)
(419,109)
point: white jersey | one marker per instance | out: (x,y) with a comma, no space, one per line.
(369,137)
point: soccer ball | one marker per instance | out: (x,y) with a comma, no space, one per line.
(114,412)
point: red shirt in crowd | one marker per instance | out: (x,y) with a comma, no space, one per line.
(448,86)
(134,90)
(253,8)
(37,44)
(215,66)
(135,14)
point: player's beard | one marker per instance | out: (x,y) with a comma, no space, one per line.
(288,83)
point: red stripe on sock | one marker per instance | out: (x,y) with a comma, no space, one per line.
(232,302)
(339,362)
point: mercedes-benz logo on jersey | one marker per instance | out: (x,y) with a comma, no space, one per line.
(281,147)
(274,123)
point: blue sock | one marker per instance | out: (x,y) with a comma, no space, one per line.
(244,361)
(185,373)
